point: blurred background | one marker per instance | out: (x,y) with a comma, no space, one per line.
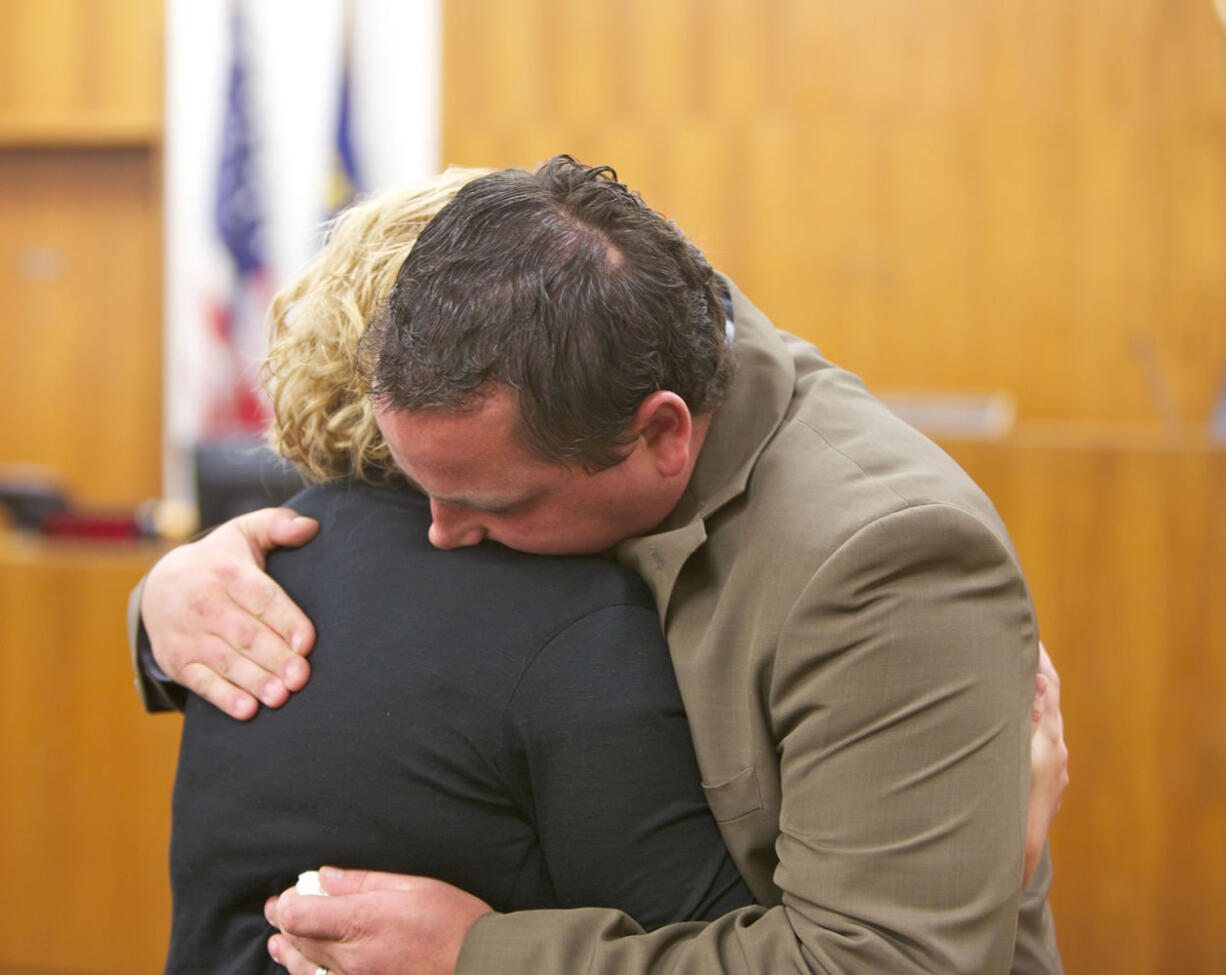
(1008,216)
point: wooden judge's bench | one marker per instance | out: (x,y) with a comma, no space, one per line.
(85,818)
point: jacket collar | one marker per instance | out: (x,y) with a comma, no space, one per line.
(752,410)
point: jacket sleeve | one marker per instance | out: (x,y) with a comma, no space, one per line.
(157,692)
(900,699)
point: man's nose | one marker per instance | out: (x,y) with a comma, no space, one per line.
(453,527)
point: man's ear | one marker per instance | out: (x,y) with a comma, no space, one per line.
(664,423)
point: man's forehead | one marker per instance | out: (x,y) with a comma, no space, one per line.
(488,433)
(494,403)
(444,431)
(461,459)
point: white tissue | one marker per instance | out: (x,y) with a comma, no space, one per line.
(308,884)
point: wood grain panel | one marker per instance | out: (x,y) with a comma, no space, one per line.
(80,269)
(1026,195)
(1123,546)
(84,825)
(80,70)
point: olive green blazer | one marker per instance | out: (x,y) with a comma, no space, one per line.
(856,646)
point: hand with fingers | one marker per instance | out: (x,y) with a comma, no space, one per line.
(372,924)
(222,628)
(1048,762)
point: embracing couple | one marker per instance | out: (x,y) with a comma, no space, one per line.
(644,638)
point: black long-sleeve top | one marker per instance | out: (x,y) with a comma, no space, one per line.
(508,723)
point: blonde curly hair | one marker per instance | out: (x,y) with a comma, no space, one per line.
(323,421)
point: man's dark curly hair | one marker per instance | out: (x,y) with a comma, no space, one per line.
(563,285)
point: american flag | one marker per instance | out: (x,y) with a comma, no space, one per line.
(236,316)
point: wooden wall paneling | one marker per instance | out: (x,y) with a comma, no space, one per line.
(1191,319)
(80,268)
(1122,545)
(80,71)
(1017,195)
(84,826)
(1193,740)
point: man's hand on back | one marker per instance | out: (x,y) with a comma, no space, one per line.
(222,628)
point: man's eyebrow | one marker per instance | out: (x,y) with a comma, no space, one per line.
(491,505)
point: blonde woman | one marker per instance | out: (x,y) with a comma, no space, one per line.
(506,722)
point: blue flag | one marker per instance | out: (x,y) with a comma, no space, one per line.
(236,313)
(344,183)
(239,212)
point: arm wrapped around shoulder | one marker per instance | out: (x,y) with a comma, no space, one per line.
(902,696)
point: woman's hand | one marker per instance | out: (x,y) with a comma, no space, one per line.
(1048,762)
